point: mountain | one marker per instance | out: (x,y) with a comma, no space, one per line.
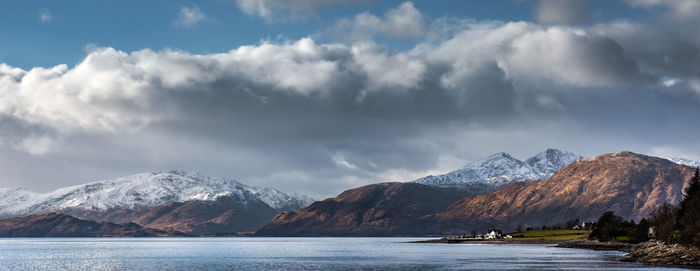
(225,215)
(123,199)
(500,169)
(687,162)
(372,210)
(61,225)
(631,185)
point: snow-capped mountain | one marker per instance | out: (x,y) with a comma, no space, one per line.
(500,169)
(684,161)
(142,191)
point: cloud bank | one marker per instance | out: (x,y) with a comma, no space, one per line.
(319,118)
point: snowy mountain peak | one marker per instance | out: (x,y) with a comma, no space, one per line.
(497,170)
(142,190)
(551,160)
(497,158)
(687,162)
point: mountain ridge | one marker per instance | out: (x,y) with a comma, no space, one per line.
(62,225)
(137,192)
(497,170)
(630,184)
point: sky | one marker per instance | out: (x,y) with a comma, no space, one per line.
(319,96)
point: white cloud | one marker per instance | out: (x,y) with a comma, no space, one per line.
(113,90)
(406,71)
(679,9)
(37,145)
(339,160)
(281,10)
(45,15)
(189,16)
(403,22)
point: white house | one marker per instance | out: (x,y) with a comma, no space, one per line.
(494,234)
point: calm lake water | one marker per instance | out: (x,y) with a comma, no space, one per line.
(293,254)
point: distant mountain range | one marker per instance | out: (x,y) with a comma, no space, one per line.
(630,184)
(495,171)
(497,191)
(202,205)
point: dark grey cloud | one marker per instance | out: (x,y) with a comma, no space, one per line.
(321,118)
(562,11)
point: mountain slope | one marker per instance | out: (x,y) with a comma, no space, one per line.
(372,210)
(500,169)
(61,225)
(631,185)
(123,199)
(222,216)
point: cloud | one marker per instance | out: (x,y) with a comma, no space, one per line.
(319,118)
(282,10)
(405,21)
(562,11)
(189,16)
(37,145)
(45,15)
(678,9)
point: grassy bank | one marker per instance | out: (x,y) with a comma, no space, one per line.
(554,235)
(528,237)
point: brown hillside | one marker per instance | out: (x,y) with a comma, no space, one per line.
(61,225)
(631,185)
(373,210)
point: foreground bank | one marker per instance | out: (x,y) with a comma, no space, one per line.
(651,252)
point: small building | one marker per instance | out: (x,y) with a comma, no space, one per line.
(587,225)
(494,234)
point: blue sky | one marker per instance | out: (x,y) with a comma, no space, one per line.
(320,96)
(130,25)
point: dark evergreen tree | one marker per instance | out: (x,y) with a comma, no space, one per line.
(688,219)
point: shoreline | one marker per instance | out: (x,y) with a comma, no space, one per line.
(652,252)
(490,241)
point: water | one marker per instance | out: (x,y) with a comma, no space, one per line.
(293,254)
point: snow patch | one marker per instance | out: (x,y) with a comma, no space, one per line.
(500,169)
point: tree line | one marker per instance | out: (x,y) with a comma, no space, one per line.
(671,223)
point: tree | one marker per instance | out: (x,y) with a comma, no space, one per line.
(609,227)
(519,228)
(663,220)
(640,233)
(688,219)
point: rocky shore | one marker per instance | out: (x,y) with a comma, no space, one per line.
(652,252)
(658,253)
(595,245)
